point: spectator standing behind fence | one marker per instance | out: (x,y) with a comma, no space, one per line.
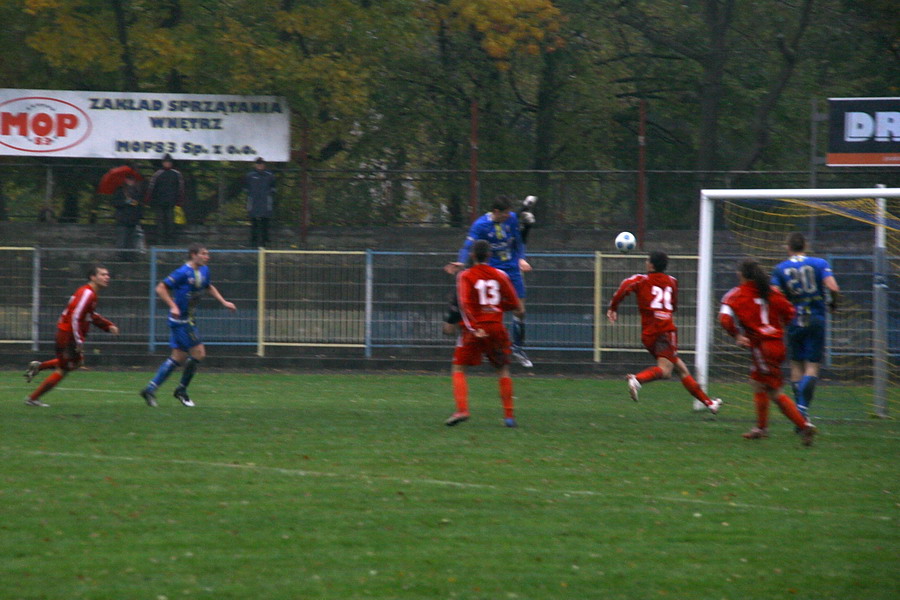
(260,186)
(127,203)
(165,191)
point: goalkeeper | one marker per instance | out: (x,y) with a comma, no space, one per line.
(807,282)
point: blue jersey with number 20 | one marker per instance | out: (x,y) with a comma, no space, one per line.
(800,278)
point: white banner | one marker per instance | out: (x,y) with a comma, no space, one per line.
(127,125)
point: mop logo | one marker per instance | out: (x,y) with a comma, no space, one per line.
(40,124)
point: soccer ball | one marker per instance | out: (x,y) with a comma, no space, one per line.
(625,242)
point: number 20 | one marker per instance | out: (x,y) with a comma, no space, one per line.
(662,297)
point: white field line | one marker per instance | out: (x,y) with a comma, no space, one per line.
(447,483)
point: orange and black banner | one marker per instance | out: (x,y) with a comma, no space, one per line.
(863,132)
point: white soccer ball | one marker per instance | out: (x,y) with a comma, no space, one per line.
(625,241)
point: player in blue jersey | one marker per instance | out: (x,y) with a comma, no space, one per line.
(500,227)
(809,284)
(182,291)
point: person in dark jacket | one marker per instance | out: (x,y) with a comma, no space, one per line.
(127,203)
(260,186)
(165,191)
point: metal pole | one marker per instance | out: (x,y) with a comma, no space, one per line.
(704,290)
(304,182)
(370,284)
(880,316)
(151,299)
(261,302)
(598,304)
(48,186)
(473,161)
(642,173)
(35,298)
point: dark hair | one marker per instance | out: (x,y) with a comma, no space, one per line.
(195,249)
(796,242)
(481,249)
(501,203)
(659,260)
(751,271)
(94,269)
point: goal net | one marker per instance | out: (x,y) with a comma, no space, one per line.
(858,232)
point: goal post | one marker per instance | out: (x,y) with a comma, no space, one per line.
(838,201)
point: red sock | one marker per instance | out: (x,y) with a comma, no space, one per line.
(649,374)
(50,364)
(461,392)
(506,396)
(761,400)
(790,410)
(691,385)
(47,385)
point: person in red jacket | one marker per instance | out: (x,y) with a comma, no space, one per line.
(754,313)
(71,332)
(657,299)
(485,293)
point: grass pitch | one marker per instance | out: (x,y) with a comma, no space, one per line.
(283,486)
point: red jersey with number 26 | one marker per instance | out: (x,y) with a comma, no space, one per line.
(484,294)
(657,299)
(761,320)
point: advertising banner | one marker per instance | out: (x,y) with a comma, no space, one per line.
(126,125)
(863,132)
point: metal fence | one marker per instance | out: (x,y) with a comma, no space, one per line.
(371,301)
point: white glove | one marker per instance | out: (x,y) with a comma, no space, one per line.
(527,218)
(529,201)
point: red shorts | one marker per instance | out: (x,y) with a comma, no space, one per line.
(662,345)
(495,346)
(66,352)
(768,356)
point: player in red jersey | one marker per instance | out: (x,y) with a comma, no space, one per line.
(754,314)
(485,293)
(71,331)
(657,299)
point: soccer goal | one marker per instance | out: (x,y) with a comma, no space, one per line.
(860,230)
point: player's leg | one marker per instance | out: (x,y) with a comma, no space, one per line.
(761,406)
(661,370)
(467,353)
(36,366)
(195,356)
(518,324)
(505,385)
(67,359)
(179,342)
(498,350)
(691,385)
(813,351)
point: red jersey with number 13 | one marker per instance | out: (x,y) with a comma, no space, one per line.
(484,294)
(657,299)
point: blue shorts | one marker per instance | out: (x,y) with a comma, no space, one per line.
(515,277)
(807,343)
(183,336)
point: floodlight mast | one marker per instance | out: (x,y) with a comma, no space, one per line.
(705,300)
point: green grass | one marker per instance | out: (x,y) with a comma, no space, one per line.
(349,486)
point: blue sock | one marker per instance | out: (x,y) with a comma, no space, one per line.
(795,388)
(163,373)
(518,331)
(806,387)
(188,372)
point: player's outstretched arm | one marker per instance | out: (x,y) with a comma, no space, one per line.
(214,292)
